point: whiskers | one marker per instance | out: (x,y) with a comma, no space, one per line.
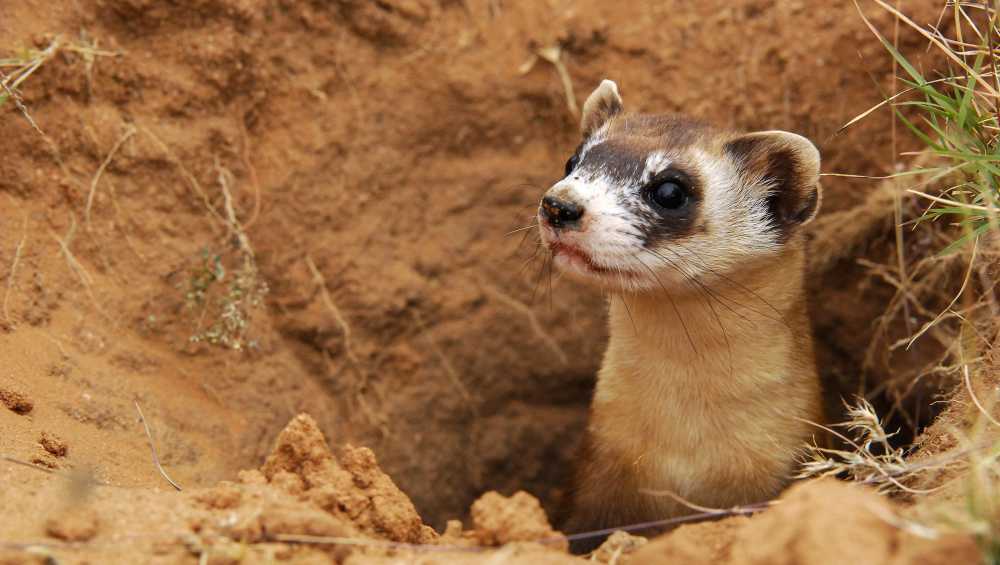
(521,229)
(740,288)
(540,256)
(703,291)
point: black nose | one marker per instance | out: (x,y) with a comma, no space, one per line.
(559,213)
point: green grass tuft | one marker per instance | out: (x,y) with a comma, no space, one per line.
(957,118)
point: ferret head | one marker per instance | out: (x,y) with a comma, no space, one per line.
(651,201)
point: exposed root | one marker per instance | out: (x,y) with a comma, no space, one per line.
(975,400)
(235,228)
(121,224)
(536,326)
(553,55)
(195,185)
(27,66)
(961,291)
(129,132)
(449,369)
(331,306)
(244,292)
(9,83)
(252,171)
(13,269)
(85,279)
(361,384)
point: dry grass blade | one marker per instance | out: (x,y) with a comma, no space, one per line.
(935,40)
(872,459)
(152,449)
(886,102)
(954,203)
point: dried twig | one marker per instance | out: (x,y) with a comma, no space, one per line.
(152,448)
(345,329)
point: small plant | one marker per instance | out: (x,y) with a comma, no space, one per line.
(229,297)
(957,118)
(17,68)
(203,277)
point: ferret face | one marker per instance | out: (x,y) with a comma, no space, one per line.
(652,202)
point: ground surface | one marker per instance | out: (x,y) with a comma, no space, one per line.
(373,155)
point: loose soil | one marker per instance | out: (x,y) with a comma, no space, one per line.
(366,159)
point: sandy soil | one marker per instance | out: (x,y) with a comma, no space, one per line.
(366,159)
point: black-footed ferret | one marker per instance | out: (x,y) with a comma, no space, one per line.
(709,372)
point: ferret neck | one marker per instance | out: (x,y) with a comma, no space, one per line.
(701,318)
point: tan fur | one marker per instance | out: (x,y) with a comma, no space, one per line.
(714,422)
(709,380)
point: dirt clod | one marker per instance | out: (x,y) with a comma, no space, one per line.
(53,444)
(350,486)
(16,402)
(500,520)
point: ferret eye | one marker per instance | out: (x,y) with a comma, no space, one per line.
(669,194)
(571,164)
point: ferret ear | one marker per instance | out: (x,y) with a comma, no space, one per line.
(788,165)
(602,105)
